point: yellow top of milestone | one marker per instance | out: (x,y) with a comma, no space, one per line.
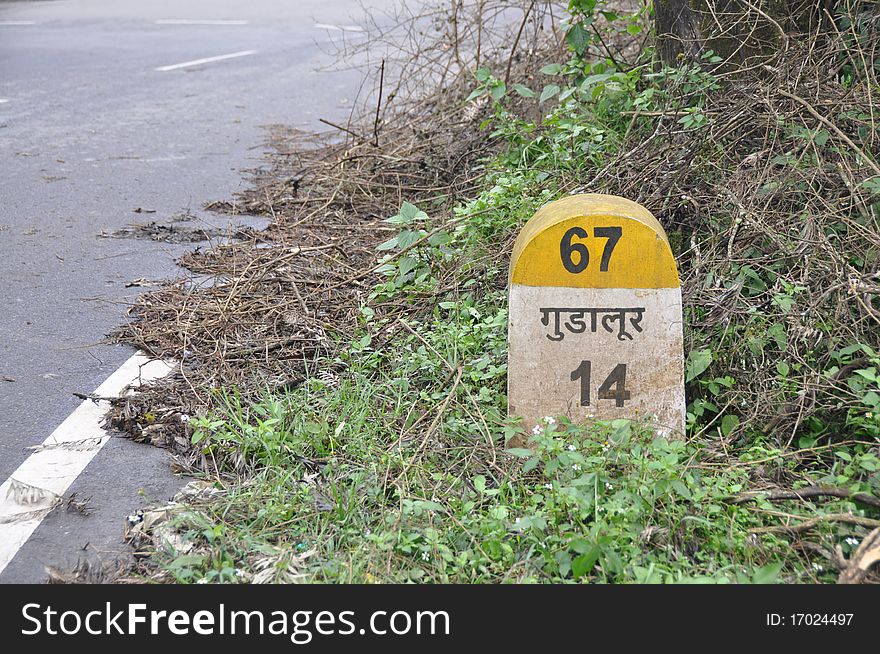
(593,241)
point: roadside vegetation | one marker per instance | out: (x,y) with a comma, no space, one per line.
(341,392)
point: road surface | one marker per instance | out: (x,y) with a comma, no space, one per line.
(106,107)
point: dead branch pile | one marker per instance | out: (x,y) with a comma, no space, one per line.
(256,313)
(775,216)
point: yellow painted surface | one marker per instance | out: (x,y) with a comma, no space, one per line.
(640,259)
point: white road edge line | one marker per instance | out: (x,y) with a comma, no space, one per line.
(3,100)
(340,28)
(206,60)
(187,21)
(34,489)
(16,23)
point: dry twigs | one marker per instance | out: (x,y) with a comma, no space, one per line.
(768,208)
(806,525)
(257,313)
(807,494)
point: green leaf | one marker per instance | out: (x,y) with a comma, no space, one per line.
(777,332)
(407,264)
(524,91)
(519,451)
(187,560)
(728,423)
(567,93)
(697,363)
(849,349)
(428,505)
(585,562)
(679,487)
(551,69)
(806,442)
(563,560)
(408,214)
(498,91)
(483,74)
(578,38)
(767,574)
(868,373)
(313,428)
(440,238)
(580,546)
(869,463)
(586,479)
(390,244)
(583,7)
(407,238)
(549,91)
(598,78)
(872,184)
(531,464)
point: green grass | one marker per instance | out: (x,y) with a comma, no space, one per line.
(393,470)
(605,503)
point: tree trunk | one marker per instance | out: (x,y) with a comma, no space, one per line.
(742,32)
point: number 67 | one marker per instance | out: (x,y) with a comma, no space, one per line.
(567,248)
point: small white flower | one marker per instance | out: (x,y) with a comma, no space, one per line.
(537,430)
(550,420)
(548,486)
(571,448)
(609,486)
(240,574)
(817,567)
(203,580)
(425,556)
(184,417)
(576,467)
(852,541)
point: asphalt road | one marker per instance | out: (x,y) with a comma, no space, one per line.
(90,130)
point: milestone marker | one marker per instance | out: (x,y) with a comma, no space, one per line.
(595,324)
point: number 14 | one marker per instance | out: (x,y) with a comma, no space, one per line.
(617,379)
